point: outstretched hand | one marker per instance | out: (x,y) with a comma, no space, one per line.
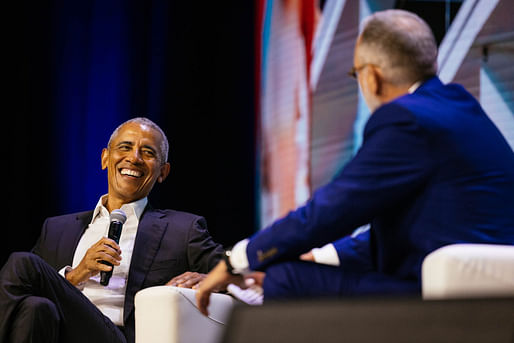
(218,278)
(308,256)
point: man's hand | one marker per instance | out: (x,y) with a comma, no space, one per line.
(218,278)
(308,256)
(104,250)
(254,278)
(187,280)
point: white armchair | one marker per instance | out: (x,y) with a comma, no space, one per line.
(469,271)
(166,314)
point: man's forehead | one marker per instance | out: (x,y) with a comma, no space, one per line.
(135,129)
(135,132)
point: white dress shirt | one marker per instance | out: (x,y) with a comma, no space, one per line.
(109,299)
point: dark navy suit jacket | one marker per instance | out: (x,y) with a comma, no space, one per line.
(168,243)
(433,170)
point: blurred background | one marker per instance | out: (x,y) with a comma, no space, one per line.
(253,96)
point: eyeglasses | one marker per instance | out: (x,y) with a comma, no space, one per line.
(353,72)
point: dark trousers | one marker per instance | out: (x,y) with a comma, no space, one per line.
(39,305)
(298,279)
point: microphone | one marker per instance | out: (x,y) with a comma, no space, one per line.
(117,218)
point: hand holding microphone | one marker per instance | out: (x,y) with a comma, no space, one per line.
(117,219)
(100,255)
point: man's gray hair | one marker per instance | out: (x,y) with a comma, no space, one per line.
(164,148)
(401,43)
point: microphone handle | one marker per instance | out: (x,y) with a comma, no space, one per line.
(114,234)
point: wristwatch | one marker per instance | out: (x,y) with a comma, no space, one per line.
(226,258)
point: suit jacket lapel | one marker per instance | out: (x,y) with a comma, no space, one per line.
(148,240)
(71,237)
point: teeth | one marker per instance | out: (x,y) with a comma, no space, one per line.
(130,172)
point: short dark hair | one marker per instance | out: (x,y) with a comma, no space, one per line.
(401,43)
(164,148)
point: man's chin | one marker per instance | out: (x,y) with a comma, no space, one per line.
(128,197)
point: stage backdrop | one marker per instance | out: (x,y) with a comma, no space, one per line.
(311,115)
(77,69)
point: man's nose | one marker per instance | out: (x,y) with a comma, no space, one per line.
(135,156)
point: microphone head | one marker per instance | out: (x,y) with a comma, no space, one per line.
(118,216)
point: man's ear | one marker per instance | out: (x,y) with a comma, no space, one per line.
(165,170)
(105,155)
(374,79)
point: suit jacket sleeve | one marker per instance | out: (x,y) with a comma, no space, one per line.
(202,252)
(392,164)
(354,252)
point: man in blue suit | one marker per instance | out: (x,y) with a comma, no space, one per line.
(432,170)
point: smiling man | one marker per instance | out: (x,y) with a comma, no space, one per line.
(54,293)
(135,158)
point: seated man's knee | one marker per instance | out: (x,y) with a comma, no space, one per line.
(21,266)
(21,257)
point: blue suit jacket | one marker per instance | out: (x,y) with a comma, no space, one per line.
(433,170)
(168,243)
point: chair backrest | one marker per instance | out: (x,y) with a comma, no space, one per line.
(469,270)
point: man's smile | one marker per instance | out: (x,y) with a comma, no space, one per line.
(131,172)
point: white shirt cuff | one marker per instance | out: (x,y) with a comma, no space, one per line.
(239,259)
(326,255)
(67,269)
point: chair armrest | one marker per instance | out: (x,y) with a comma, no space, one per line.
(468,271)
(169,314)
